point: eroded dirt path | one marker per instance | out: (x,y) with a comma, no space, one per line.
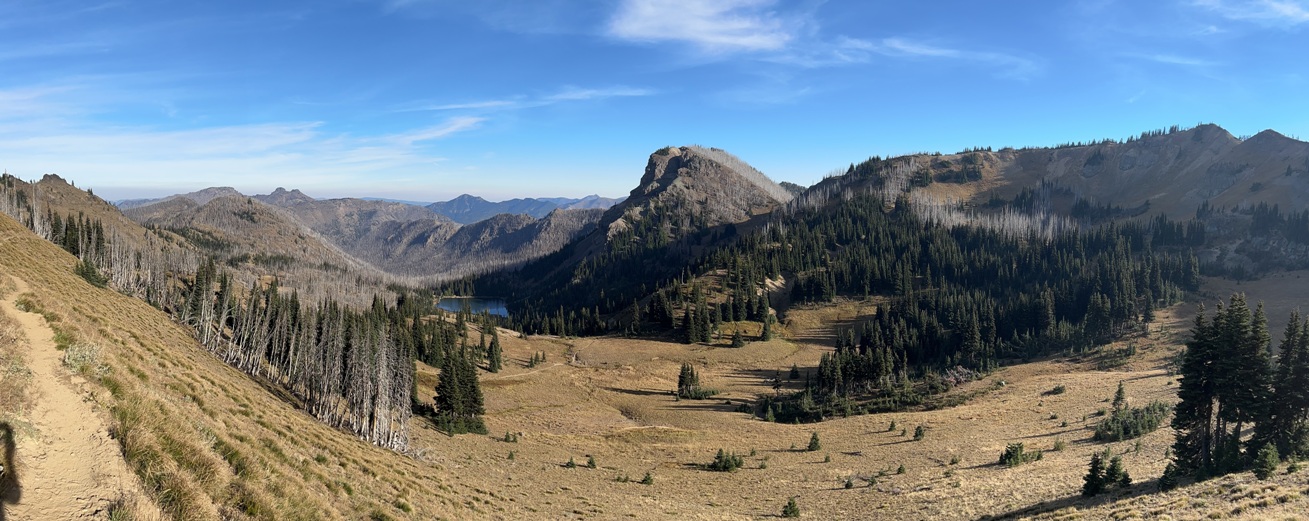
(69,468)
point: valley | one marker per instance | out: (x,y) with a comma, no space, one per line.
(868,346)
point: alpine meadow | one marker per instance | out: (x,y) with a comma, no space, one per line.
(391,260)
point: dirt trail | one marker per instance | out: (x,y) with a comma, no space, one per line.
(70,468)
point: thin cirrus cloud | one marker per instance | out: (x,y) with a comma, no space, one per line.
(1004,65)
(1276,13)
(713,27)
(1172,59)
(567,94)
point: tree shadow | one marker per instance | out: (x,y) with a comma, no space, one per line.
(639,392)
(10,490)
(1044,507)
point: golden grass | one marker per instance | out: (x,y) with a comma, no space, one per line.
(209,443)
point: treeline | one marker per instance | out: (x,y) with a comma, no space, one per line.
(1267,220)
(961,296)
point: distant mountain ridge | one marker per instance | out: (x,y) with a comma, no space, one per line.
(468,209)
(394,237)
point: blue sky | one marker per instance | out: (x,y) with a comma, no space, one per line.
(427,99)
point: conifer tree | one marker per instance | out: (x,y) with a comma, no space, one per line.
(494,354)
(1094,481)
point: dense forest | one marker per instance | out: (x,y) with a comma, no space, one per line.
(960,297)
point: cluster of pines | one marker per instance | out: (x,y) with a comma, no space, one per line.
(1237,408)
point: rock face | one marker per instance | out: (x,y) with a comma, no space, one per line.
(696,188)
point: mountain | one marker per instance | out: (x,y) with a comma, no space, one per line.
(282,197)
(468,209)
(689,201)
(1171,172)
(289,228)
(199,197)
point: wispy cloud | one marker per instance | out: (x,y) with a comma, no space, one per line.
(579,94)
(1276,13)
(712,26)
(761,30)
(563,95)
(65,137)
(1004,65)
(1172,59)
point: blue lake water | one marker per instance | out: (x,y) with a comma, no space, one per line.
(494,306)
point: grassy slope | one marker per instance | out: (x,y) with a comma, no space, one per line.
(213,444)
(203,438)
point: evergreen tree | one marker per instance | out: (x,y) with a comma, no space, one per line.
(494,354)
(1094,481)
(1266,462)
(738,340)
(1193,416)
(814,444)
(1169,480)
(458,401)
(1116,475)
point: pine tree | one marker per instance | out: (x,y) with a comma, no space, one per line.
(814,444)
(1193,417)
(1265,464)
(1120,399)
(1116,475)
(1169,480)
(737,339)
(494,354)
(1094,481)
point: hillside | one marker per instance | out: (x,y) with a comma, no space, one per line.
(199,197)
(1170,172)
(689,201)
(368,237)
(206,441)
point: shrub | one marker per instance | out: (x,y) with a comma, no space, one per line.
(590,462)
(791,509)
(814,444)
(1058,389)
(88,272)
(1014,455)
(1129,423)
(85,359)
(648,479)
(571,464)
(1265,463)
(919,433)
(725,462)
(1059,445)
(849,483)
